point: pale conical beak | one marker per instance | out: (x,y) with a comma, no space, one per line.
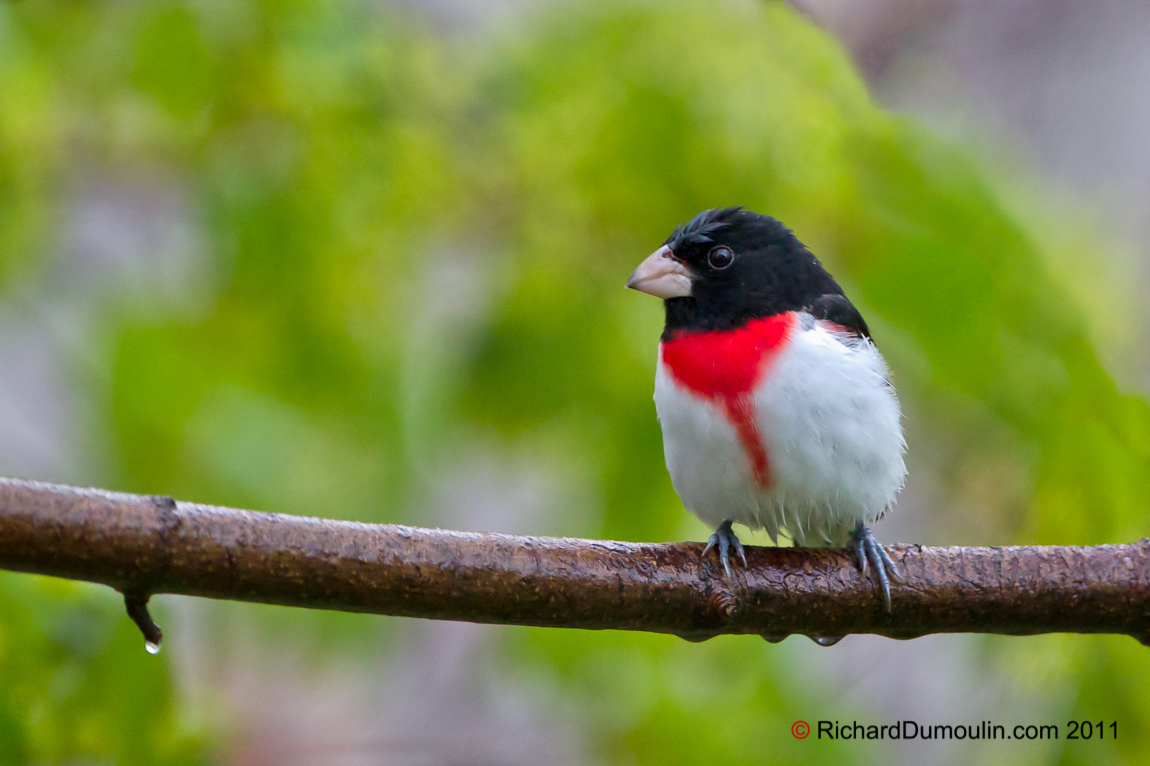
(662,275)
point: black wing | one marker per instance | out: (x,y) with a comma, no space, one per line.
(837,309)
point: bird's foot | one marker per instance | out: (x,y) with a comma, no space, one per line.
(868,549)
(724,538)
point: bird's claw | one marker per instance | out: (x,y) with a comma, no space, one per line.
(869,551)
(725,538)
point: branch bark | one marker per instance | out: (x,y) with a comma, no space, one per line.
(143,546)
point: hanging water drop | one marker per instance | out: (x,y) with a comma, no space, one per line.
(826,640)
(153,648)
(774,638)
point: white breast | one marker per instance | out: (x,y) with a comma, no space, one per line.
(831,426)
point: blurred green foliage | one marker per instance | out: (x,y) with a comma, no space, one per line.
(416,243)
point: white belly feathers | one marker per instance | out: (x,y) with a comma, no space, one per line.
(831,428)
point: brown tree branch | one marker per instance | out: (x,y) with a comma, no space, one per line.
(147,545)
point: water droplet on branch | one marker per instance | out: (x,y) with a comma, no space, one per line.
(826,640)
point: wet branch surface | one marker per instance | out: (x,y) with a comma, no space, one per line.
(144,546)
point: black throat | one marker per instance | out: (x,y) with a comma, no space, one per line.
(773,273)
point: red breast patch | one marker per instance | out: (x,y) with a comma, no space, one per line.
(725,366)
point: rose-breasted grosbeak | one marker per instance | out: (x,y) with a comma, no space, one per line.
(776,407)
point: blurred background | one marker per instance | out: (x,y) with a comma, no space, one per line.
(365,260)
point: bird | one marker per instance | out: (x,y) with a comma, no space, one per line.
(776,407)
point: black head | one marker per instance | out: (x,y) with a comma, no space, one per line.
(727,266)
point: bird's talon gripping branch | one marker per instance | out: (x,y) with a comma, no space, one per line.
(888,564)
(725,538)
(868,550)
(859,547)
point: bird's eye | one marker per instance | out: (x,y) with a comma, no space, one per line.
(720,257)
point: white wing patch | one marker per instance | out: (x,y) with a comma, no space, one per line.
(831,425)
